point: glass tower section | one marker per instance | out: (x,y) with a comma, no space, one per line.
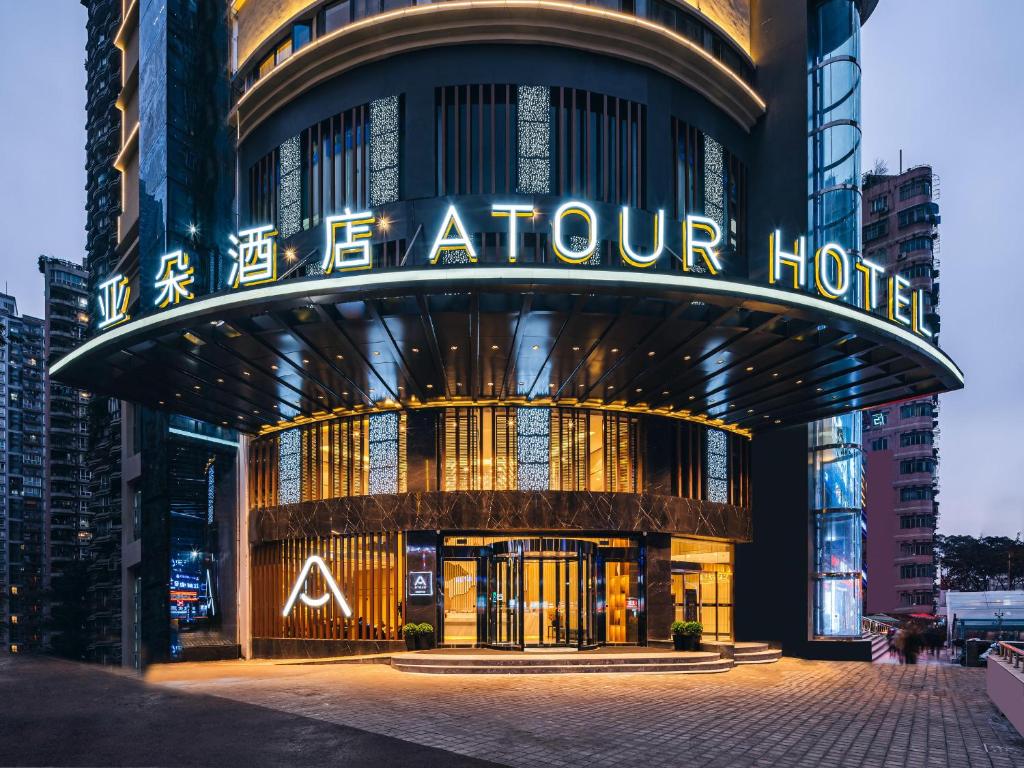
(836,498)
(834,216)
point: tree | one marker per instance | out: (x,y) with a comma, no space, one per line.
(975,564)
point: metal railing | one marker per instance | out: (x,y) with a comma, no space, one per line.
(1011,654)
(872,626)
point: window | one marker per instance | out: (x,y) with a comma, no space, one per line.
(266,66)
(917,571)
(917,271)
(918,437)
(916,243)
(880,204)
(881,444)
(710,180)
(914,466)
(336,16)
(917,521)
(475,128)
(599,148)
(327,167)
(910,548)
(916,409)
(876,230)
(918,214)
(283,52)
(916,493)
(301,35)
(919,186)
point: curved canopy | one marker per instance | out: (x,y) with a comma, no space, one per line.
(750,356)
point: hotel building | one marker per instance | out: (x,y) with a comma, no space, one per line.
(508,317)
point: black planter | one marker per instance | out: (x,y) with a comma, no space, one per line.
(691,643)
(424,641)
(679,642)
(410,642)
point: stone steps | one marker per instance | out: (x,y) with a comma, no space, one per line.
(489,665)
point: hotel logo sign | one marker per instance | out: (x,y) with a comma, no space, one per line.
(420,584)
(299,590)
(831,272)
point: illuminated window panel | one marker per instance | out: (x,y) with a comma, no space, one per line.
(533,439)
(534,131)
(383,442)
(717,470)
(385,125)
(288,467)
(289,193)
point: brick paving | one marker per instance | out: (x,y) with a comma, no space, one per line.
(792,713)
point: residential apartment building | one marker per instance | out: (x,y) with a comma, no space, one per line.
(900,234)
(22,451)
(66,476)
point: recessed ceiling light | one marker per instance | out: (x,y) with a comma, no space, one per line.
(430,386)
(799,381)
(719,361)
(494,346)
(818,389)
(580,385)
(686,357)
(273,367)
(665,393)
(535,347)
(246,373)
(614,350)
(340,357)
(177,394)
(416,350)
(651,353)
(575,349)
(610,387)
(195,387)
(750,410)
(692,397)
(775,375)
(639,389)
(490,383)
(750,368)
(454,348)
(778,421)
(376,353)
(305,360)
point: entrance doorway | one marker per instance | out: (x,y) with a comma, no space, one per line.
(541,592)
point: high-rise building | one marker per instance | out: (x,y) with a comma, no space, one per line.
(901,234)
(103,207)
(505,317)
(66,475)
(22,473)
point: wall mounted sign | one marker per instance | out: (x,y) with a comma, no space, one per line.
(419,584)
(299,590)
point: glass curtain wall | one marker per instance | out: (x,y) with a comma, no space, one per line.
(836,501)
(834,134)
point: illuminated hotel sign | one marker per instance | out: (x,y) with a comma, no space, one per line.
(299,590)
(420,584)
(576,233)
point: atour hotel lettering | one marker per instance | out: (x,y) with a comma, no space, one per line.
(835,272)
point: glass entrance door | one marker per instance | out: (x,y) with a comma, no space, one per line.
(541,593)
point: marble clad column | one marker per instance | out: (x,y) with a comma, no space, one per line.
(660,608)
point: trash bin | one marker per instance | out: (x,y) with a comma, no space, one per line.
(973,649)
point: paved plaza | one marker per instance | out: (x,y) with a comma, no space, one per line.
(792,713)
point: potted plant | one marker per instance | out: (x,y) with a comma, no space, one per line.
(425,636)
(692,630)
(410,632)
(678,635)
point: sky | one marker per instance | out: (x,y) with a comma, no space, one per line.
(942,84)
